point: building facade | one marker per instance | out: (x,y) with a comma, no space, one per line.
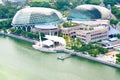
(92,35)
(88,33)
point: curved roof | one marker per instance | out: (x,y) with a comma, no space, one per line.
(48,42)
(56,39)
(87,11)
(36,15)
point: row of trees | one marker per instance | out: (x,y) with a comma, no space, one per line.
(96,2)
(40,4)
(6,24)
(92,49)
(61,5)
(26,34)
(7,11)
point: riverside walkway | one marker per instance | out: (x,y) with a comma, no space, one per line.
(19,37)
(91,58)
(70,52)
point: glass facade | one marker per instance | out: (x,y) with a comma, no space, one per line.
(34,15)
(88,12)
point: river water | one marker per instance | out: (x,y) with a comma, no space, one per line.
(19,61)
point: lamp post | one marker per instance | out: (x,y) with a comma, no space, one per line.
(40,40)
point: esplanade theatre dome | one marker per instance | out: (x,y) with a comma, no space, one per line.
(32,16)
(89,12)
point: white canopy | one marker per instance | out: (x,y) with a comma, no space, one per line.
(56,39)
(47,42)
(45,26)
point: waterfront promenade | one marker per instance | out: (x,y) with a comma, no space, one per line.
(19,37)
(72,52)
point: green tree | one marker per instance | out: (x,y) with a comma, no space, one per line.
(7,11)
(116,11)
(111,2)
(40,4)
(118,36)
(113,21)
(12,30)
(118,58)
(118,55)
(78,41)
(93,52)
(102,50)
(4,29)
(62,4)
(6,24)
(30,35)
(96,2)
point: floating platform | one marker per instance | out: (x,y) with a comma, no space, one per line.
(64,56)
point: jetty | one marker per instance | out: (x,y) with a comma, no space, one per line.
(64,56)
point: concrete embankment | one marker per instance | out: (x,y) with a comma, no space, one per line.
(92,58)
(19,37)
(67,51)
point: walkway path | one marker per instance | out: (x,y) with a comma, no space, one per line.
(92,58)
(71,52)
(19,37)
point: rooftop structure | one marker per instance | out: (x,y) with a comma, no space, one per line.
(111,43)
(39,17)
(89,12)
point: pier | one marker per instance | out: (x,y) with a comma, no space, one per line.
(64,56)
